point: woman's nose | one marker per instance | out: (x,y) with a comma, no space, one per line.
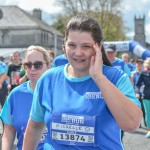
(78,51)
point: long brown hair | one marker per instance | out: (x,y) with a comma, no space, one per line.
(87,24)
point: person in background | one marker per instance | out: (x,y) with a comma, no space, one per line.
(133,62)
(125,57)
(3,82)
(11,59)
(52,56)
(135,76)
(60,60)
(14,71)
(15,112)
(111,53)
(86,102)
(144,77)
(23,77)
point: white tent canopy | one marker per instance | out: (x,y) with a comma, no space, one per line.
(5,53)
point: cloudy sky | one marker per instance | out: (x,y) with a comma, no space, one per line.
(129,10)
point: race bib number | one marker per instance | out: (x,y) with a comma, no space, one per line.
(73,130)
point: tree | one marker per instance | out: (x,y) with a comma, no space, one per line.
(107,12)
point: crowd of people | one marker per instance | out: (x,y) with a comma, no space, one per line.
(74,100)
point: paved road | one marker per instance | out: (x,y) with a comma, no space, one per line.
(137,140)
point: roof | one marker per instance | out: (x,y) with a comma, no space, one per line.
(14,17)
(5,52)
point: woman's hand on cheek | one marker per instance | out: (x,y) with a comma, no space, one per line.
(96,61)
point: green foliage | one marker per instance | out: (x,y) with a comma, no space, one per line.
(105,11)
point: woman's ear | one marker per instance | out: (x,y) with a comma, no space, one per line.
(64,50)
(99,44)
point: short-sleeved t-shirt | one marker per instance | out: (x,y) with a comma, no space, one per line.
(75,108)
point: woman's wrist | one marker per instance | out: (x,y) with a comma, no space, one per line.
(100,78)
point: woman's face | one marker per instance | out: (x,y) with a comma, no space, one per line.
(79,50)
(35,65)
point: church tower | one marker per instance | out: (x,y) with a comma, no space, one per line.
(139,26)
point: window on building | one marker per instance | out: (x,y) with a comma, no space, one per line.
(5,38)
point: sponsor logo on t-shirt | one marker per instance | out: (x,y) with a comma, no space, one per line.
(93,95)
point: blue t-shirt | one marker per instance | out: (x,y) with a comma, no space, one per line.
(119,63)
(3,69)
(60,60)
(16,111)
(75,111)
(131,67)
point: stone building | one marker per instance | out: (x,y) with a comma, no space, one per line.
(139,31)
(139,34)
(19,29)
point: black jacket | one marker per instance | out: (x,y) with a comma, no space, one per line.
(145,78)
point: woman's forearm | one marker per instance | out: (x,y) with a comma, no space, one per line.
(32,135)
(8,137)
(120,106)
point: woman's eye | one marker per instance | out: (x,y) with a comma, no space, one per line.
(71,45)
(86,47)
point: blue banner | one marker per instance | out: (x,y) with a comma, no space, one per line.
(132,46)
